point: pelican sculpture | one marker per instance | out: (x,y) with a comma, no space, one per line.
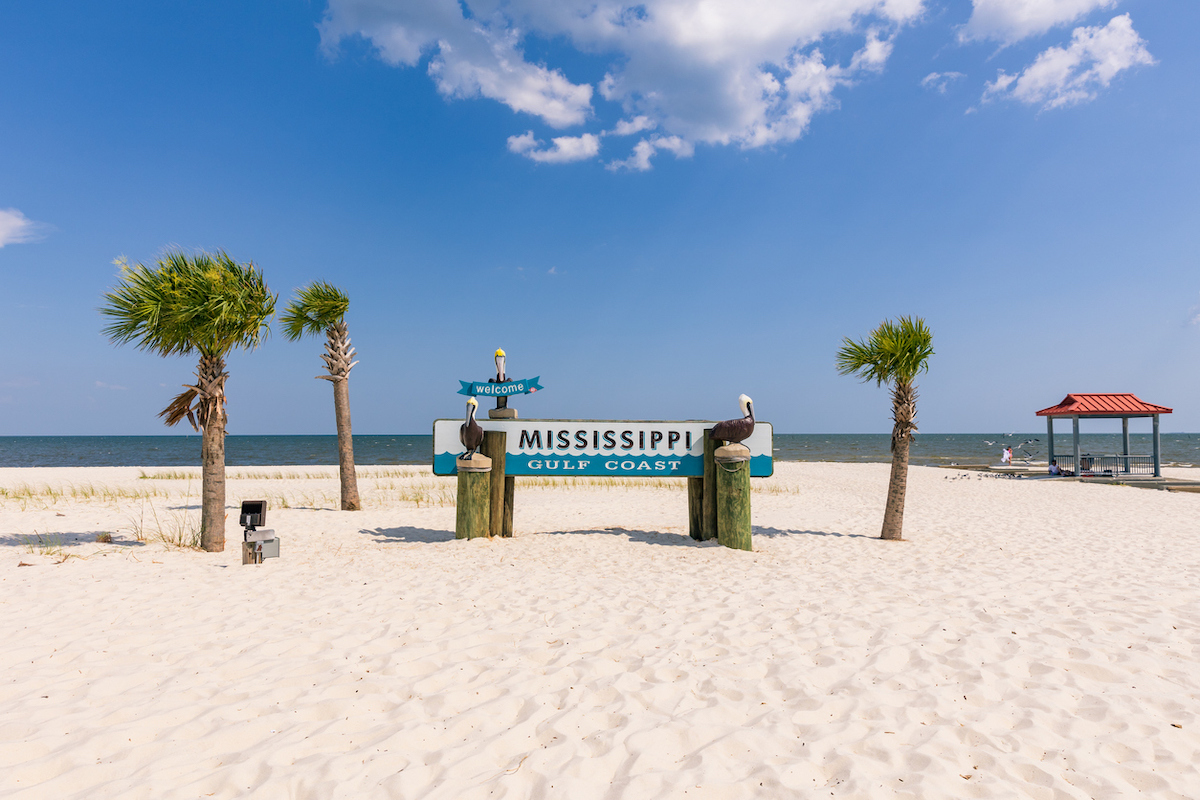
(732,431)
(470,434)
(501,402)
(500,376)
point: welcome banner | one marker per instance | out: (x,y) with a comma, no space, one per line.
(647,449)
(506,389)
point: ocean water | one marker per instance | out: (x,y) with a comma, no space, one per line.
(184,451)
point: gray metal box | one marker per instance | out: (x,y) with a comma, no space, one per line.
(260,536)
(270,548)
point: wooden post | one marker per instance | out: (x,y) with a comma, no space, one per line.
(695,491)
(732,464)
(474,490)
(248,554)
(494,445)
(1050,438)
(510,489)
(708,518)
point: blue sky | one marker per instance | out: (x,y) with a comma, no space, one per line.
(735,187)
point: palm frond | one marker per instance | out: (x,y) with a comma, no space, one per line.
(181,408)
(314,309)
(187,303)
(895,352)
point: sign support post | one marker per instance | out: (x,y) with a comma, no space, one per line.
(471,516)
(495,445)
(695,488)
(708,518)
(733,496)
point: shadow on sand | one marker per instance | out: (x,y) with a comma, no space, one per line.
(63,539)
(778,532)
(663,539)
(408,534)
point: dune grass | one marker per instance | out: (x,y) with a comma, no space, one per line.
(180,528)
(282,475)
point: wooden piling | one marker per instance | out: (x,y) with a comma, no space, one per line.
(495,444)
(708,518)
(474,496)
(695,507)
(510,489)
(732,464)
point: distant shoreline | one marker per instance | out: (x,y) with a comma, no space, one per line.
(250,450)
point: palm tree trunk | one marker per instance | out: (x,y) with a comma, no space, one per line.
(349,480)
(338,353)
(904,416)
(211,378)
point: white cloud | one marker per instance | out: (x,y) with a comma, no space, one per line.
(1009,21)
(110,386)
(470,57)
(743,72)
(644,150)
(873,55)
(16,228)
(939,81)
(1065,76)
(563,149)
(628,127)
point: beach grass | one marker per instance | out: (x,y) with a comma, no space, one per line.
(282,475)
(178,528)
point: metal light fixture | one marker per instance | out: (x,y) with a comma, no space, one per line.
(257,544)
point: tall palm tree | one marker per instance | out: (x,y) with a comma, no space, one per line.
(204,303)
(322,307)
(894,353)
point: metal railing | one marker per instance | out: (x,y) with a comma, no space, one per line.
(1108,465)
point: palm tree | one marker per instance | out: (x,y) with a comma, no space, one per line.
(322,307)
(894,354)
(205,303)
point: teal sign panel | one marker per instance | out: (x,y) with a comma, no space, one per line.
(506,389)
(639,449)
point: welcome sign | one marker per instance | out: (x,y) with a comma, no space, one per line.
(646,449)
(506,389)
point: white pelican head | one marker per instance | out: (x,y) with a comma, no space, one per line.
(472,404)
(500,376)
(746,404)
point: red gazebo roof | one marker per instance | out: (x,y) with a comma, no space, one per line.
(1103,405)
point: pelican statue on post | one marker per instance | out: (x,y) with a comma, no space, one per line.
(733,431)
(501,377)
(471,434)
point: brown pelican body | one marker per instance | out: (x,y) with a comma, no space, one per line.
(470,434)
(733,431)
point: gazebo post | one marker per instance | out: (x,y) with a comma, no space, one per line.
(1125,441)
(1157,450)
(1050,436)
(1075,435)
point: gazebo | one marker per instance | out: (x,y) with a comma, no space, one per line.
(1107,406)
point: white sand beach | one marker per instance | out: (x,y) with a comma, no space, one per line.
(1031,638)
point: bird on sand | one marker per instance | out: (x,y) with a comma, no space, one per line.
(732,431)
(470,434)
